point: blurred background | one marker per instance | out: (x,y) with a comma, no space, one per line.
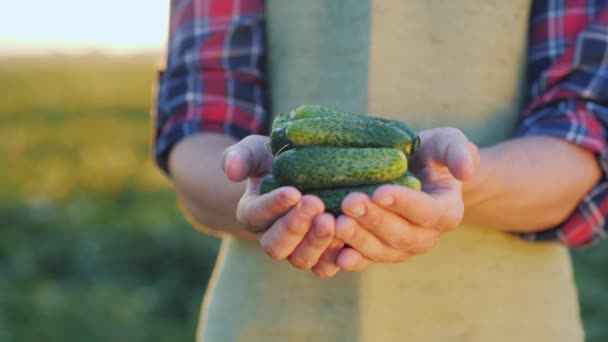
(92,244)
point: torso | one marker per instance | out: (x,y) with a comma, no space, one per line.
(431,63)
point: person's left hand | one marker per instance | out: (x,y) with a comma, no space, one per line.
(397,223)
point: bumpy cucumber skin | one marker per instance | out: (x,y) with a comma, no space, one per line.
(319,167)
(317,111)
(409,181)
(333,197)
(345,133)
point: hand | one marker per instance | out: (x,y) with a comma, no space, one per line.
(397,223)
(288,225)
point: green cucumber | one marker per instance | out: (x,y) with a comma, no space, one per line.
(333,197)
(327,131)
(278,141)
(407,129)
(409,180)
(268,184)
(319,167)
(280,120)
(317,111)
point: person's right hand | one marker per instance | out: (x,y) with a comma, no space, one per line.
(288,225)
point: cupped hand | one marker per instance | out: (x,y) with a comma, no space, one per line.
(397,223)
(288,225)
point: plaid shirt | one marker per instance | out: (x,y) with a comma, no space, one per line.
(214,82)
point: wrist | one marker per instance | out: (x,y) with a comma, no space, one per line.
(482,187)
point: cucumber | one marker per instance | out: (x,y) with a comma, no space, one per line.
(407,129)
(278,141)
(268,184)
(319,167)
(333,197)
(317,111)
(329,131)
(409,180)
(280,120)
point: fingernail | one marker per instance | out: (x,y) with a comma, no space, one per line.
(386,201)
(357,210)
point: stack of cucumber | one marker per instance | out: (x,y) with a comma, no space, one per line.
(330,153)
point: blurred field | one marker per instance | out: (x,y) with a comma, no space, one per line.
(92,245)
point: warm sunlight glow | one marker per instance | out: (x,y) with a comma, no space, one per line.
(118,26)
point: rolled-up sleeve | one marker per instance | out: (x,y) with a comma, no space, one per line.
(213,80)
(568,98)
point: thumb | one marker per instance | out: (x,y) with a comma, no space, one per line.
(250,157)
(449,147)
(462,159)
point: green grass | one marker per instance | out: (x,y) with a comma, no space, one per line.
(92,244)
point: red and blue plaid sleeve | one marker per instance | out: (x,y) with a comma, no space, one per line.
(568,98)
(213,80)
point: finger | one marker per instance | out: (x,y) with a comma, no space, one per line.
(459,158)
(327,266)
(417,207)
(352,261)
(349,231)
(452,213)
(449,147)
(316,241)
(249,157)
(257,213)
(389,228)
(286,233)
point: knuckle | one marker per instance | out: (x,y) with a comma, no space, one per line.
(277,201)
(401,241)
(320,236)
(384,257)
(430,221)
(381,259)
(300,262)
(320,273)
(453,216)
(347,232)
(428,244)
(272,251)
(352,234)
(374,218)
(403,257)
(295,227)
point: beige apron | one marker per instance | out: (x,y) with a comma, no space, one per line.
(431,63)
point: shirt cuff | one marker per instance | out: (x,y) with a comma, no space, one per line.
(585,124)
